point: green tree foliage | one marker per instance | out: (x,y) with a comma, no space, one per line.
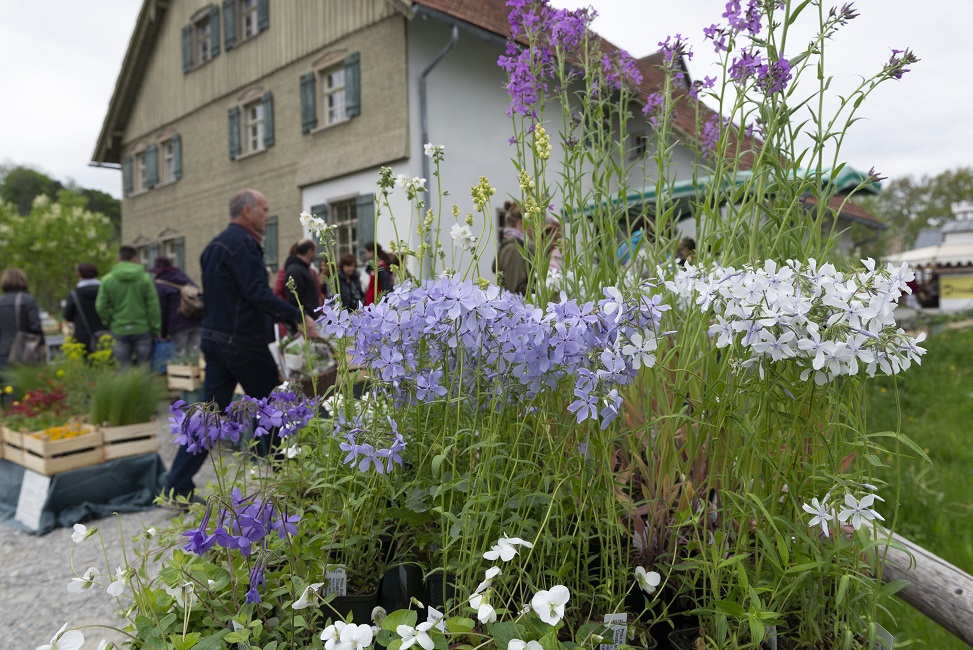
(908,204)
(21,185)
(50,240)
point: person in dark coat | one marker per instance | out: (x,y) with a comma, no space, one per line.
(380,277)
(14,302)
(79,308)
(183,332)
(352,295)
(306,286)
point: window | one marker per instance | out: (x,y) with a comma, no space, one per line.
(141,181)
(201,38)
(271,245)
(244,19)
(331,94)
(354,224)
(251,124)
(167,170)
(175,249)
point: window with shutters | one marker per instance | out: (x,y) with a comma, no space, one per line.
(140,180)
(243,20)
(251,123)
(253,115)
(331,93)
(271,244)
(201,38)
(344,216)
(332,83)
(167,162)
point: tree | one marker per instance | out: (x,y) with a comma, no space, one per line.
(908,205)
(50,240)
(21,185)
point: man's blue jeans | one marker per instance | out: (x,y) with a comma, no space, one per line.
(131,348)
(230,360)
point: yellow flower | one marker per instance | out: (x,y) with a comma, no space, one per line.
(8,390)
(59,373)
(883,390)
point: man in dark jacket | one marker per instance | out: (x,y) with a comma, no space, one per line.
(79,307)
(238,322)
(298,266)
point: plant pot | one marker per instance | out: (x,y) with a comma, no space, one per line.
(684,639)
(360,606)
(400,584)
(441,592)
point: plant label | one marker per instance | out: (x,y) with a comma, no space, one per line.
(336,578)
(33,495)
(436,617)
(885,640)
(618,629)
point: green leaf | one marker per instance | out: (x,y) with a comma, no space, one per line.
(731,608)
(212,642)
(180,642)
(459,624)
(400,617)
(504,632)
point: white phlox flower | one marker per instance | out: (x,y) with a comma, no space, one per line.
(640,350)
(70,640)
(648,580)
(463,236)
(486,614)
(82,532)
(549,605)
(316,225)
(615,304)
(859,511)
(518,644)
(418,634)
(83,582)
(506,548)
(431,149)
(118,585)
(304,601)
(293,451)
(822,514)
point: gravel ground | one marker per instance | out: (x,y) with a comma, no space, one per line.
(34,573)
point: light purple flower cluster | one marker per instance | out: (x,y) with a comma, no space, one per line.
(200,426)
(896,66)
(772,76)
(364,439)
(492,349)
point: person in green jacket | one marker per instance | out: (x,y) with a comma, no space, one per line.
(128,305)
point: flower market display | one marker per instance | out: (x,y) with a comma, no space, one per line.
(637,443)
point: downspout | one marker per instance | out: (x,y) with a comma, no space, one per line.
(424,115)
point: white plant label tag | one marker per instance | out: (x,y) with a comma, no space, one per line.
(336,578)
(33,496)
(436,617)
(884,638)
(617,628)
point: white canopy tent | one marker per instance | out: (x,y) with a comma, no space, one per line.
(955,254)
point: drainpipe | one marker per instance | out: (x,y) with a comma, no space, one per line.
(424,114)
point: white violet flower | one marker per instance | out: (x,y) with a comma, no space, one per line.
(505,548)
(418,634)
(70,640)
(549,605)
(648,580)
(518,644)
(84,582)
(81,532)
(118,585)
(303,602)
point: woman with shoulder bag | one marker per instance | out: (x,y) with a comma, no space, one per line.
(21,335)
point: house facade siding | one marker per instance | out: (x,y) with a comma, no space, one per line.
(195,105)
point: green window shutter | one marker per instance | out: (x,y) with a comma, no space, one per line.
(352,85)
(214,31)
(152,166)
(365,207)
(268,102)
(127,175)
(187,48)
(271,244)
(153,252)
(309,114)
(233,120)
(180,260)
(177,156)
(229,25)
(263,15)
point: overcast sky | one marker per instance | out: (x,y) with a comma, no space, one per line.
(59,60)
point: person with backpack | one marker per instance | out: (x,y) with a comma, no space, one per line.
(178,323)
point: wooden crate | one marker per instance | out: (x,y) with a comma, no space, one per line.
(49,457)
(130,440)
(184,377)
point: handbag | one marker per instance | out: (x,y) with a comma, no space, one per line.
(95,337)
(27,348)
(190,300)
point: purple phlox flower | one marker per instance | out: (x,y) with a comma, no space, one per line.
(705,84)
(740,20)
(196,426)
(874,176)
(351,448)
(718,35)
(256,581)
(773,76)
(613,402)
(568,29)
(745,66)
(709,135)
(586,406)
(673,49)
(842,17)
(371,457)
(393,453)
(896,66)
